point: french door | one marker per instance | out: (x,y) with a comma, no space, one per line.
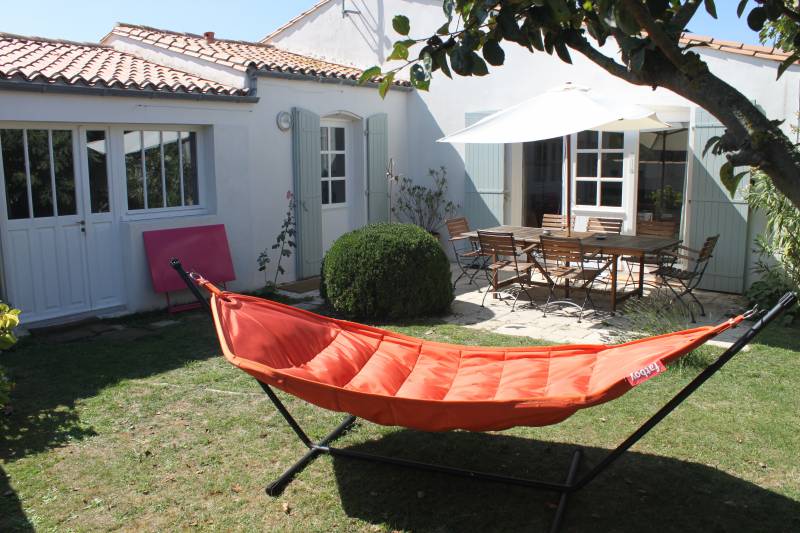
(60,242)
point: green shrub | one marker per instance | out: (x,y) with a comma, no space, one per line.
(386,271)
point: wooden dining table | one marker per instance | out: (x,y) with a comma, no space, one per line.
(609,244)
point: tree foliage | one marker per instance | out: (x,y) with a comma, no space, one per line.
(474,34)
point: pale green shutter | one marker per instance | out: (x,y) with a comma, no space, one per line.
(308,191)
(712,211)
(377,161)
(484,192)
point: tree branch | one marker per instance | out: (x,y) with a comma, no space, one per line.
(655,32)
(579,43)
(685,13)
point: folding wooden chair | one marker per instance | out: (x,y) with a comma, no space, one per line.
(650,228)
(467,253)
(555,222)
(565,260)
(604,225)
(504,252)
(683,281)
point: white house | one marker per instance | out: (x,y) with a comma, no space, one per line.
(146,94)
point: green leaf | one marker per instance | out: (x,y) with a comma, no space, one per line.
(440,61)
(479,67)
(710,7)
(401,24)
(788,62)
(444,29)
(740,8)
(625,21)
(757,18)
(559,9)
(563,51)
(387,81)
(419,79)
(399,52)
(368,74)
(536,39)
(637,59)
(461,60)
(729,179)
(711,142)
(493,53)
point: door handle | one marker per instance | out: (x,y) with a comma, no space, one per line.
(82,224)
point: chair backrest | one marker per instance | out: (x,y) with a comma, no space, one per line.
(560,250)
(604,225)
(657,228)
(456,226)
(707,250)
(556,222)
(497,243)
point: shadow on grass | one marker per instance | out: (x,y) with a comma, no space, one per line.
(12,517)
(51,377)
(640,492)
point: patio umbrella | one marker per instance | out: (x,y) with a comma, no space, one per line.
(559,112)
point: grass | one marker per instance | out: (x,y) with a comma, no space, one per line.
(161,434)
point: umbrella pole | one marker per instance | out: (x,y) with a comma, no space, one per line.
(569,185)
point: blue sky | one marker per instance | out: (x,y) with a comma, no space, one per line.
(90,20)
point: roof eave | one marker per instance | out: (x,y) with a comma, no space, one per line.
(323,79)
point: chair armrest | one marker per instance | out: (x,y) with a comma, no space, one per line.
(529,249)
(459,238)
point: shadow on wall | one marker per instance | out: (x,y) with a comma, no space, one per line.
(371,26)
(12,517)
(640,492)
(51,376)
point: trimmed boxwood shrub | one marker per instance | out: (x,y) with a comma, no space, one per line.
(386,271)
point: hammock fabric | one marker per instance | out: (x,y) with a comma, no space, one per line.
(393,379)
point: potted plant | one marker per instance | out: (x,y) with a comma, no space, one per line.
(423,206)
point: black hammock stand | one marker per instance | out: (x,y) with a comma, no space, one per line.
(572,482)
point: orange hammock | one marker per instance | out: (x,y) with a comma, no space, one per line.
(393,379)
(396,380)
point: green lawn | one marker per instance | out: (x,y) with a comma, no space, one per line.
(161,434)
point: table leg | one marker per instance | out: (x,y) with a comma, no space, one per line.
(614,283)
(494,278)
(641,275)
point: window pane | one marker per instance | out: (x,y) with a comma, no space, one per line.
(324,165)
(41,184)
(613,139)
(338,135)
(96,150)
(65,172)
(323,138)
(191,188)
(133,169)
(14,171)
(325,192)
(587,140)
(172,171)
(337,166)
(586,192)
(611,193)
(337,192)
(611,166)
(152,167)
(587,166)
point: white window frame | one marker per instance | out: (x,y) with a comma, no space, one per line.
(118,132)
(598,179)
(330,152)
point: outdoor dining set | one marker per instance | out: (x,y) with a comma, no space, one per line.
(514,259)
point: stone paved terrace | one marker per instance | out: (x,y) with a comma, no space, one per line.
(561,323)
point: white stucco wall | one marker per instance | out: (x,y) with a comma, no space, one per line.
(249,160)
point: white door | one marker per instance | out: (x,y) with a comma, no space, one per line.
(336,181)
(48,237)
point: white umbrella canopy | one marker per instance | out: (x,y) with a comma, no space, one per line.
(558,112)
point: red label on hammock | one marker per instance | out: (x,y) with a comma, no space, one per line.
(643,374)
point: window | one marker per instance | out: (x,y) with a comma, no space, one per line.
(332,142)
(161,169)
(598,173)
(38,165)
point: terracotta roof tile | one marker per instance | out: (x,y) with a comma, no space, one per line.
(734,47)
(239,55)
(47,61)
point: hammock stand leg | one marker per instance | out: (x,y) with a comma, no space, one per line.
(564,489)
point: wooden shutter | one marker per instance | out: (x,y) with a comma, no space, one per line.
(377,161)
(712,211)
(484,192)
(308,191)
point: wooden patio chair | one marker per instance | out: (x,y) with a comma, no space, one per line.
(682,281)
(505,254)
(467,253)
(649,228)
(555,222)
(565,260)
(604,225)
